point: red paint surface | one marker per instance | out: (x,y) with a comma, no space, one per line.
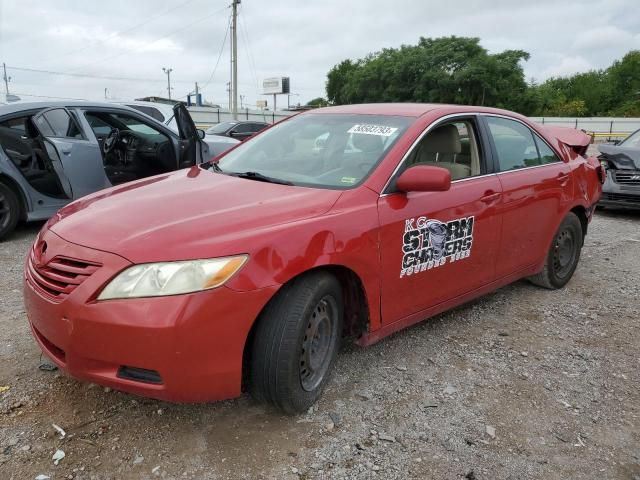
(196,341)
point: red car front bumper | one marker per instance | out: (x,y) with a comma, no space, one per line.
(194,343)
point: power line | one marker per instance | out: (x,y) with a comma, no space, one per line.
(224,41)
(250,59)
(85,75)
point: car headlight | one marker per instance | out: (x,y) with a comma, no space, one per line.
(172,278)
(604,164)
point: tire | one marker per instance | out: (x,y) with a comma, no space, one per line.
(9,210)
(296,342)
(563,256)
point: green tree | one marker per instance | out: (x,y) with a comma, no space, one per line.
(318,102)
(625,84)
(446,70)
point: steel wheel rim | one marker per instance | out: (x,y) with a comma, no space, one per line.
(5,213)
(564,252)
(318,343)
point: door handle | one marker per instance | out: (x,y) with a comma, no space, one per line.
(65,150)
(490,196)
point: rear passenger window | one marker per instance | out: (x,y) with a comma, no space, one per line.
(57,123)
(15,124)
(546,154)
(514,144)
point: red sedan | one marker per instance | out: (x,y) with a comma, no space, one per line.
(343,222)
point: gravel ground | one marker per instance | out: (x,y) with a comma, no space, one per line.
(523,383)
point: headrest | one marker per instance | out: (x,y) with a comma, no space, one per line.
(444,139)
(367,143)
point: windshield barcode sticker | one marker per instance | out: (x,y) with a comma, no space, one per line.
(379,130)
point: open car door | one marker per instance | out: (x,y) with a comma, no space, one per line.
(75,160)
(192,149)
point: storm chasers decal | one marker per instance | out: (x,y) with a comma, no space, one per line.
(429,243)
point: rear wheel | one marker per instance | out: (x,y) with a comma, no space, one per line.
(562,258)
(9,210)
(296,343)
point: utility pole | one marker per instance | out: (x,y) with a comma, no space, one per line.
(105,93)
(234,58)
(5,78)
(168,72)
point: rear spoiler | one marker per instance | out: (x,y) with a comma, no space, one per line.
(577,140)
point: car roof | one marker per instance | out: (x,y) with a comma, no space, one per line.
(406,109)
(25,106)
(164,107)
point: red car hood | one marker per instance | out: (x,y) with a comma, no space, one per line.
(184,215)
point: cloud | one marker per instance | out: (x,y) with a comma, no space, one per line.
(566,67)
(302,40)
(605,37)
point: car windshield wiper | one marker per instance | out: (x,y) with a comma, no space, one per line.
(215,167)
(260,177)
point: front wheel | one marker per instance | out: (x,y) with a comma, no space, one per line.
(562,258)
(9,210)
(296,342)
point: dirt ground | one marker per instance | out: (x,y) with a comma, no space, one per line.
(524,383)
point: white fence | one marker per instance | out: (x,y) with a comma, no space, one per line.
(206,116)
(602,126)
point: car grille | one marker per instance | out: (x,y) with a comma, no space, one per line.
(621,197)
(60,276)
(627,177)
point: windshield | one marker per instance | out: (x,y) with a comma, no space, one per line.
(319,150)
(632,141)
(221,127)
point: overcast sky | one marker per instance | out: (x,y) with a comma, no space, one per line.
(130,41)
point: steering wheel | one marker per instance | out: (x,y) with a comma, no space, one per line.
(111,140)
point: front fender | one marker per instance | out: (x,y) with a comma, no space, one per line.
(347,236)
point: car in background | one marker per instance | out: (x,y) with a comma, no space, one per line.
(52,153)
(621,161)
(164,113)
(249,270)
(237,130)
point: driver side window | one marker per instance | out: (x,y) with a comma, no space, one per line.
(136,125)
(100,128)
(452,145)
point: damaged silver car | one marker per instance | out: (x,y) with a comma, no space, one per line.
(55,152)
(621,161)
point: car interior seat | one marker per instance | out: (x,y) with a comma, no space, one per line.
(439,148)
(42,175)
(16,147)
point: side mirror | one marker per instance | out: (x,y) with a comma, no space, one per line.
(424,178)
(201,134)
